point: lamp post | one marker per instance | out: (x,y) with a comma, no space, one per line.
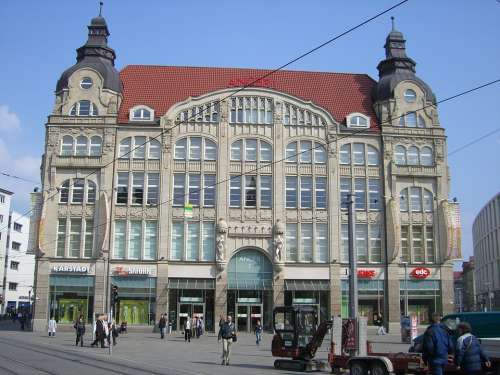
(405,265)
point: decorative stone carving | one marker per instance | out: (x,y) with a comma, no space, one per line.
(279,245)
(220,250)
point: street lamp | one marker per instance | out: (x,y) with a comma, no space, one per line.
(405,265)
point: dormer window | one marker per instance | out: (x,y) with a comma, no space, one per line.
(84,108)
(357,120)
(141,114)
(86,83)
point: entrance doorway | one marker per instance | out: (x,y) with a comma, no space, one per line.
(192,310)
(247,317)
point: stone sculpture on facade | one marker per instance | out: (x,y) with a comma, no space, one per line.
(220,244)
(279,244)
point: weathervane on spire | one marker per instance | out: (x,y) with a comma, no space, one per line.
(100,8)
(392,22)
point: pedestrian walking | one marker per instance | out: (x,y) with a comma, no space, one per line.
(194,324)
(469,356)
(437,346)
(112,333)
(187,329)
(162,325)
(258,332)
(198,327)
(227,333)
(52,326)
(100,332)
(379,322)
(22,320)
(79,330)
(405,329)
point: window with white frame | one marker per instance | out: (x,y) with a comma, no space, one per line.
(250,191)
(75,238)
(208,112)
(137,188)
(84,108)
(306,192)
(293,115)
(364,199)
(413,155)
(193,241)
(359,154)
(195,148)
(139,147)
(135,239)
(411,120)
(77,191)
(252,150)
(81,146)
(306,152)
(141,114)
(400,155)
(416,199)
(306,242)
(195,189)
(18,227)
(251,110)
(357,120)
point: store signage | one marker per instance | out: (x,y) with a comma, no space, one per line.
(304,301)
(132,271)
(250,81)
(72,268)
(420,273)
(188,211)
(366,274)
(191,299)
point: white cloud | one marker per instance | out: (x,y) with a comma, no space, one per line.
(9,121)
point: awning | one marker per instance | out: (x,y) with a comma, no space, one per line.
(250,284)
(206,284)
(307,285)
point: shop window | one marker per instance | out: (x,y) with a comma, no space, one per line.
(305,192)
(143,188)
(193,241)
(250,149)
(306,152)
(139,147)
(188,189)
(251,110)
(71,296)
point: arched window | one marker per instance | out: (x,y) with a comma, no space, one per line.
(139,147)
(64,192)
(251,110)
(81,146)
(125,145)
(426,156)
(84,108)
(141,114)
(210,150)
(91,191)
(306,152)
(428,201)
(77,190)
(358,121)
(409,120)
(67,145)
(400,155)
(154,149)
(421,122)
(95,146)
(413,155)
(195,148)
(416,199)
(251,149)
(372,156)
(293,115)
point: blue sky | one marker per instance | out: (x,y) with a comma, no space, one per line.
(454,42)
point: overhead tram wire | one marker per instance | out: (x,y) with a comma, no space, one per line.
(350,134)
(250,84)
(19,178)
(489,134)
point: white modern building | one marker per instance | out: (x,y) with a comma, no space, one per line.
(17,264)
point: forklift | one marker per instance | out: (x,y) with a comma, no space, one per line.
(298,336)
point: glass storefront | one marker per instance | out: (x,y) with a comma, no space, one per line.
(250,289)
(71,296)
(193,298)
(424,298)
(370,298)
(309,293)
(136,299)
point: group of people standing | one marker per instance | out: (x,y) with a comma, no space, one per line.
(193,327)
(104,330)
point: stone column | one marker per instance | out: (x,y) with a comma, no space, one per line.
(447,293)
(278,288)
(161,290)
(392,298)
(335,290)
(41,305)
(220,296)
(100,287)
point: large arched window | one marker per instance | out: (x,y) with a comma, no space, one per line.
(250,269)
(306,152)
(139,147)
(426,156)
(359,154)
(412,155)
(67,146)
(77,191)
(400,155)
(195,148)
(251,110)
(95,146)
(251,149)
(81,146)
(416,199)
(84,108)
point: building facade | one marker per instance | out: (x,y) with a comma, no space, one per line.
(486,238)
(469,287)
(17,263)
(199,196)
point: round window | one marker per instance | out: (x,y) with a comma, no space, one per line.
(410,96)
(86,83)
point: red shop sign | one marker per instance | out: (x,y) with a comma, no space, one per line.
(366,274)
(420,273)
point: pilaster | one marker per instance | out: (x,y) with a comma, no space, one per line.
(335,290)
(220,295)
(161,290)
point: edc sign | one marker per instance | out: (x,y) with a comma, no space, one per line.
(420,273)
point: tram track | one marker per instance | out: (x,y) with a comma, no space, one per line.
(14,372)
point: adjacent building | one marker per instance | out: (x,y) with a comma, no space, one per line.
(198,196)
(486,238)
(17,264)
(469,288)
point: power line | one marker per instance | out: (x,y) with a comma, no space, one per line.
(368,20)
(19,178)
(474,141)
(350,134)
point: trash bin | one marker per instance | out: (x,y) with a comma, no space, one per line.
(169,328)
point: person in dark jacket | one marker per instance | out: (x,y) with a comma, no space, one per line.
(227,333)
(100,332)
(80,330)
(469,355)
(437,345)
(162,325)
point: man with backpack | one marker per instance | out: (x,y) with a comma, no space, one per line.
(437,346)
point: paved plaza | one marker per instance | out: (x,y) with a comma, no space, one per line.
(144,353)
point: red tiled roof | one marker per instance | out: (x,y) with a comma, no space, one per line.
(160,87)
